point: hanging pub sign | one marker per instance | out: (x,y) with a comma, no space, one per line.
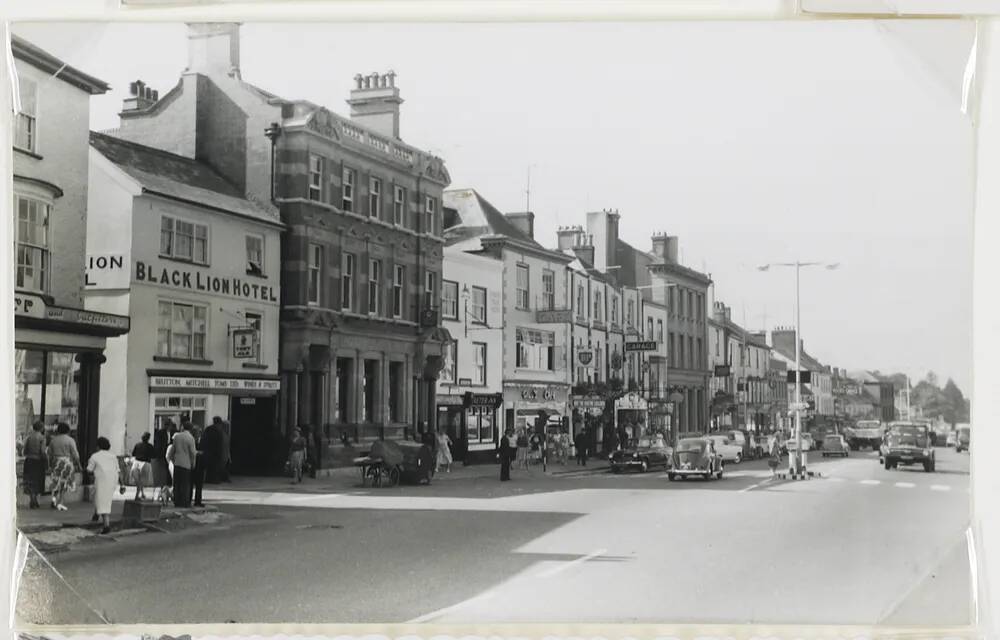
(616,361)
(805,378)
(585,357)
(244,343)
(647,345)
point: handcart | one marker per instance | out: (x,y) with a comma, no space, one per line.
(389,463)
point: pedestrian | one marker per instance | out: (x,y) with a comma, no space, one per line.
(297,454)
(142,466)
(201,462)
(65,460)
(521,443)
(443,458)
(211,447)
(33,475)
(162,479)
(183,454)
(774,456)
(580,442)
(104,465)
(227,454)
(506,451)
(565,444)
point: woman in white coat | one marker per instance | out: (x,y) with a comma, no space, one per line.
(104,465)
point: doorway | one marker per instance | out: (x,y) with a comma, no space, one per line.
(254,436)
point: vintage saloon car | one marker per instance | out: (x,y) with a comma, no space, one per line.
(648,451)
(835,445)
(696,457)
(908,443)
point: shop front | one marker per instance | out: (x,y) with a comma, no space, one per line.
(58,353)
(523,403)
(631,417)
(471,421)
(248,403)
(587,415)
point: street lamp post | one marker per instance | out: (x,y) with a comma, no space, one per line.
(798,464)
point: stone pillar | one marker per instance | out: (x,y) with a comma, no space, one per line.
(89,397)
(305,398)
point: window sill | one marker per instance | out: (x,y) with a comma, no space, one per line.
(254,365)
(30,154)
(184,261)
(254,274)
(182,360)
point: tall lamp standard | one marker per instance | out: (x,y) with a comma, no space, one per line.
(798,463)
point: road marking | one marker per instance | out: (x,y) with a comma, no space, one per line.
(940,487)
(871,482)
(905,485)
(548,573)
(427,617)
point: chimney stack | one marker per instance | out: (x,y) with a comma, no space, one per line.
(568,237)
(141,98)
(524,221)
(375,103)
(665,247)
(214,48)
(584,248)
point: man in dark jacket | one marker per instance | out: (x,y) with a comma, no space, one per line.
(506,454)
(580,442)
(210,446)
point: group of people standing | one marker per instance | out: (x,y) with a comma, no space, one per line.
(194,457)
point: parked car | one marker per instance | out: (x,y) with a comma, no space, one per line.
(694,457)
(963,438)
(729,451)
(742,440)
(835,445)
(648,451)
(908,443)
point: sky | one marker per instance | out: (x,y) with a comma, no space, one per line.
(753,142)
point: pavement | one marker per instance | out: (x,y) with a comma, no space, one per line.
(857,545)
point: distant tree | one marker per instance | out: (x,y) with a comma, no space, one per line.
(931,379)
(956,406)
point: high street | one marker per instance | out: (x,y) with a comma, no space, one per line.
(858,545)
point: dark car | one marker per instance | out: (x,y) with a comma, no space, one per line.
(695,457)
(835,445)
(648,451)
(906,444)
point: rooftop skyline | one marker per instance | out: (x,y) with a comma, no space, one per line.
(799,148)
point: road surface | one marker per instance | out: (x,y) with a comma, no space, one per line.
(859,545)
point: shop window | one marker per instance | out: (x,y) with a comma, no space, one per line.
(45,389)
(177,409)
(479,425)
(29,369)
(32,244)
(182,330)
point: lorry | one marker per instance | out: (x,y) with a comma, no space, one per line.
(865,433)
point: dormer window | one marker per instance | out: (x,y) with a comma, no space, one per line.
(255,255)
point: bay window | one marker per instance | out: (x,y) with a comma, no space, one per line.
(535,350)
